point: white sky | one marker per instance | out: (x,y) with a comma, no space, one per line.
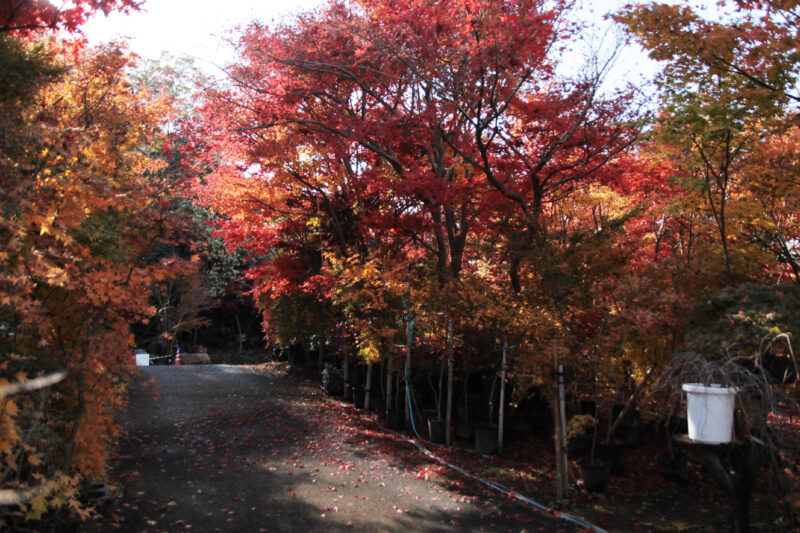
(194,28)
(198,29)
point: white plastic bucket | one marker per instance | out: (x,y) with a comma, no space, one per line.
(710,412)
(142,359)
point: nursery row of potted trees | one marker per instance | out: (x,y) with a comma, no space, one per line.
(727,406)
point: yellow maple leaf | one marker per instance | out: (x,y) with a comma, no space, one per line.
(38,506)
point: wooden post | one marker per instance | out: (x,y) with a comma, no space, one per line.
(321,353)
(449,414)
(439,392)
(389,366)
(368,387)
(238,330)
(491,399)
(562,407)
(501,407)
(407,368)
(561,482)
(346,369)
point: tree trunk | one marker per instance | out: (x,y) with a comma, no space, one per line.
(389,366)
(368,387)
(491,398)
(238,329)
(407,370)
(718,210)
(563,410)
(69,448)
(381,382)
(736,471)
(449,415)
(346,369)
(614,426)
(561,479)
(723,235)
(501,407)
(466,394)
(321,353)
(398,389)
(70,443)
(440,395)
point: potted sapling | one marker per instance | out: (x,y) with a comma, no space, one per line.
(595,473)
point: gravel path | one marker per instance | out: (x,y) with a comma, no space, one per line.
(222,448)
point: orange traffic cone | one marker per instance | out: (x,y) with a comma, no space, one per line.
(178,356)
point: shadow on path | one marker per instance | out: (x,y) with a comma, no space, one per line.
(220,448)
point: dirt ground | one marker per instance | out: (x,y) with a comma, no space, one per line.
(224,448)
(234,448)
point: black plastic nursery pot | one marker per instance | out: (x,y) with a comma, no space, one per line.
(628,435)
(674,466)
(485,439)
(541,423)
(465,429)
(436,430)
(613,455)
(595,476)
(357,397)
(379,406)
(429,414)
(515,428)
(579,445)
(396,420)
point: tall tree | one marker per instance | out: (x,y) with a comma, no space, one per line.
(29,16)
(444,119)
(725,92)
(83,204)
(754,40)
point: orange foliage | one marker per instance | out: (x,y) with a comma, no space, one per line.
(84,202)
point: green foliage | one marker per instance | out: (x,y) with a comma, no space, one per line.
(174,77)
(24,68)
(296,318)
(741,319)
(223,268)
(101,232)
